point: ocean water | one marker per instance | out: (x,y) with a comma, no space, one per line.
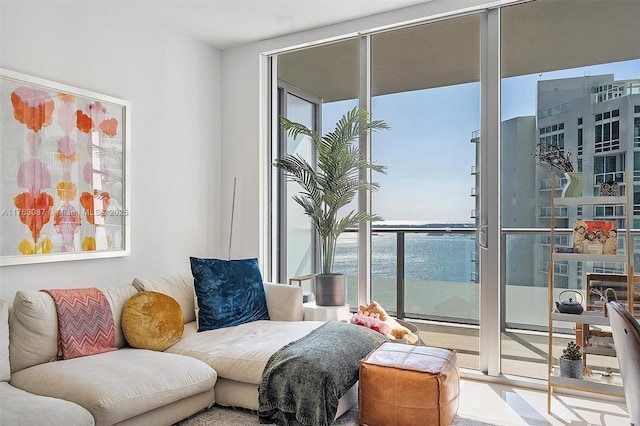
(428,256)
(438,273)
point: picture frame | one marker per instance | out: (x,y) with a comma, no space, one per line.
(595,237)
(64,172)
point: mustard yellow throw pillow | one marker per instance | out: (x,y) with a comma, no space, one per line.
(152,320)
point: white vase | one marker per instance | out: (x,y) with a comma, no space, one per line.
(575,184)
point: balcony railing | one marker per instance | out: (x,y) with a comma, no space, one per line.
(418,272)
(599,178)
(433,273)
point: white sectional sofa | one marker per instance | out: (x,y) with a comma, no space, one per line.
(239,354)
(138,386)
(126,386)
(18,407)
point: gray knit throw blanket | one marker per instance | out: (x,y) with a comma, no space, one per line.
(303,381)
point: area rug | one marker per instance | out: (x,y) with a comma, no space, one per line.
(223,416)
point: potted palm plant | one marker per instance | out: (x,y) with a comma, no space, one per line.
(329,186)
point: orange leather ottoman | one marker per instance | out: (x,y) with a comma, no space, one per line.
(404,385)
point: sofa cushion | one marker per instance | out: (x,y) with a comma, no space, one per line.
(229,292)
(5,367)
(152,320)
(33,325)
(118,385)
(85,322)
(240,353)
(180,287)
(118,296)
(284,302)
(18,407)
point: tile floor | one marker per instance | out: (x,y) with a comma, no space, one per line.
(508,406)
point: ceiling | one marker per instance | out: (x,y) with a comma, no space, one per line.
(423,56)
(537,37)
(228,23)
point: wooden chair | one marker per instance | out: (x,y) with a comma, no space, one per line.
(626,338)
(597,284)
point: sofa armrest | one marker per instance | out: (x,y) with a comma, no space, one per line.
(284,302)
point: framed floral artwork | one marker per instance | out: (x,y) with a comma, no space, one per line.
(64,190)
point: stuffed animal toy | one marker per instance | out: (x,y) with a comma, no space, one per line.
(371,321)
(397,331)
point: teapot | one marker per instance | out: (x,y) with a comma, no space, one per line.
(570,306)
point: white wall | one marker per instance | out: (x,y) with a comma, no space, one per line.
(243,132)
(174,85)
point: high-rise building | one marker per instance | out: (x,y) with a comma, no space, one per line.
(597,120)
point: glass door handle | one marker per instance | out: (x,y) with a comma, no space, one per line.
(481,237)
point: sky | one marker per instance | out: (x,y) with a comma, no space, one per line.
(428,152)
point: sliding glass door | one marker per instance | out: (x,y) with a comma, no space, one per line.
(425,84)
(463,248)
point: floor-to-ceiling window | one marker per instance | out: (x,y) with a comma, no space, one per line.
(425,84)
(566,78)
(569,80)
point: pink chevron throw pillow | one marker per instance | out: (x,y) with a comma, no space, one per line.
(85,322)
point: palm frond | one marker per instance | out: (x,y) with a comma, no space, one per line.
(353,219)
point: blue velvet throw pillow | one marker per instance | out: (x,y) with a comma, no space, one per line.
(229,292)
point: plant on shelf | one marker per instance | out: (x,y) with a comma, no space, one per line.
(571,361)
(572,352)
(560,161)
(554,157)
(331,184)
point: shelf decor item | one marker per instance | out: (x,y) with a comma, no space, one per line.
(575,184)
(595,236)
(609,189)
(329,185)
(571,361)
(561,162)
(570,306)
